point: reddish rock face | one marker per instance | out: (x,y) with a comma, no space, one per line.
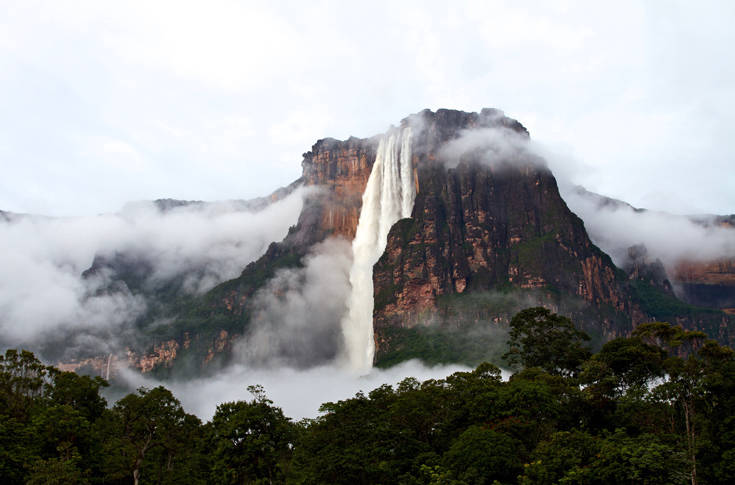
(709,284)
(162,354)
(721,272)
(341,169)
(488,227)
(94,365)
(222,343)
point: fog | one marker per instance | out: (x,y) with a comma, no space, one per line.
(497,147)
(615,225)
(42,288)
(669,237)
(296,316)
(298,392)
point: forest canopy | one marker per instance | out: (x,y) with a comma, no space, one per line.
(655,407)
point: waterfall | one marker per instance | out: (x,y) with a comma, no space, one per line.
(109,361)
(389,196)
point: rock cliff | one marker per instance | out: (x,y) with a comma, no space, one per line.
(492,223)
(709,284)
(340,169)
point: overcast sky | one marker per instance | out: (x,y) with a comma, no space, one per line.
(107,102)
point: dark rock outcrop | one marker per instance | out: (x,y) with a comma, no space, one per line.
(639,267)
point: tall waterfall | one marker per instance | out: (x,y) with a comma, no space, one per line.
(389,196)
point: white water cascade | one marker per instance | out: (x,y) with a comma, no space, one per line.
(389,196)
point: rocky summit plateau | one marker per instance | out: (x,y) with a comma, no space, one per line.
(480,231)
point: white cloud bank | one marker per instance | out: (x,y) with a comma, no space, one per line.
(42,290)
(668,237)
(296,315)
(298,392)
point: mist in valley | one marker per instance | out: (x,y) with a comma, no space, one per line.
(47,292)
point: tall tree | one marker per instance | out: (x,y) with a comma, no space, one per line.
(251,441)
(151,419)
(539,338)
(684,385)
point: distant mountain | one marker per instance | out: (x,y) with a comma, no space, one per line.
(697,279)
(256,204)
(602,201)
(6,216)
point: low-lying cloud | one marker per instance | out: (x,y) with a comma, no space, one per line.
(43,292)
(296,316)
(497,147)
(668,237)
(298,392)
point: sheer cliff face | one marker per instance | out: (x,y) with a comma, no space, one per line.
(721,272)
(710,284)
(341,169)
(484,226)
(474,229)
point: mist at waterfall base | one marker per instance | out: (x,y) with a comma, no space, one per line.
(299,392)
(296,316)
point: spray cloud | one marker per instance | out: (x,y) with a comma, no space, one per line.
(296,316)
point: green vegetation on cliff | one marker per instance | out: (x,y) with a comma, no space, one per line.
(665,306)
(432,345)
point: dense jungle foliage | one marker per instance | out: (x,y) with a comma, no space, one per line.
(656,407)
